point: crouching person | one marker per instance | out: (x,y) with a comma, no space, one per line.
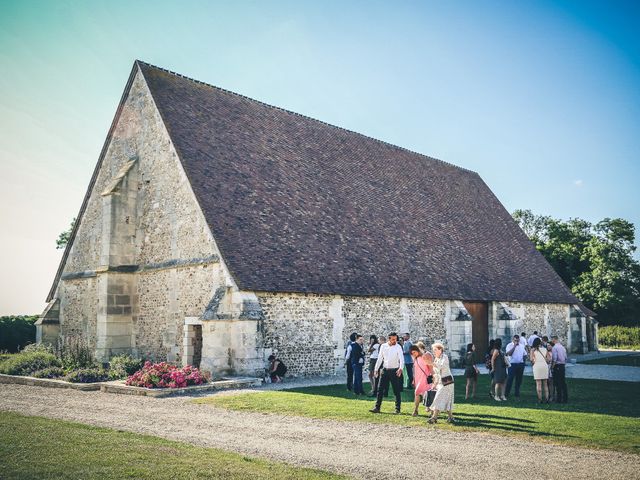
(277,369)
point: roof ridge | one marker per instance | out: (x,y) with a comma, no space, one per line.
(291,112)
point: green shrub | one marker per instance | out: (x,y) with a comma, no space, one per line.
(26,363)
(51,372)
(75,354)
(39,347)
(619,337)
(121,366)
(87,375)
(16,331)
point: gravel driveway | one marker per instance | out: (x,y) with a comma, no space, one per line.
(356,449)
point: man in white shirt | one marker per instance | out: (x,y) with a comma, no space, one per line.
(391,359)
(517,353)
(523,340)
(532,338)
(558,363)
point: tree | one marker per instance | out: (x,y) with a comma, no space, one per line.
(63,238)
(595,261)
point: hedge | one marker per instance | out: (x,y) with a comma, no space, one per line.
(619,337)
(17,331)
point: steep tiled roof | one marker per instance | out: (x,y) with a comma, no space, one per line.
(298,205)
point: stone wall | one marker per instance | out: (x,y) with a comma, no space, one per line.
(79,309)
(167,297)
(156,229)
(545,318)
(309,331)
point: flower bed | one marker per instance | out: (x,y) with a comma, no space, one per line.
(165,375)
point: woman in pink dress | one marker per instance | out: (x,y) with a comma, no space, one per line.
(421,370)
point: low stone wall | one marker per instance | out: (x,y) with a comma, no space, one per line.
(225,384)
(47,382)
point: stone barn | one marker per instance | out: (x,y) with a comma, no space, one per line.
(217,229)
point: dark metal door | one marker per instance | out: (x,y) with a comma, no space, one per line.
(480,327)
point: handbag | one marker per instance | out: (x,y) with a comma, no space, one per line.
(429,377)
(507,361)
(428,398)
(448,380)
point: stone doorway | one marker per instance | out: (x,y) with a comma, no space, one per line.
(192,342)
(479,312)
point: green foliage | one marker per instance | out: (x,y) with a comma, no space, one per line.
(63,238)
(121,366)
(28,362)
(615,336)
(16,331)
(42,448)
(595,260)
(87,375)
(39,347)
(76,354)
(50,372)
(631,360)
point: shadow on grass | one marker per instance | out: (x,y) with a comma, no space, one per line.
(585,396)
(496,417)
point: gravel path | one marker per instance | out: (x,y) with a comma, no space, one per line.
(357,449)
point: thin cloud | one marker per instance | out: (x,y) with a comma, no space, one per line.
(578,183)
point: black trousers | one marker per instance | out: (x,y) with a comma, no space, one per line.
(389,376)
(409,367)
(516,371)
(376,384)
(560,383)
(349,376)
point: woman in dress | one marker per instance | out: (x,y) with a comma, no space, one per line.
(499,369)
(470,371)
(487,364)
(422,369)
(374,347)
(540,359)
(443,380)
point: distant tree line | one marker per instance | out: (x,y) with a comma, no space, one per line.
(595,260)
(17,331)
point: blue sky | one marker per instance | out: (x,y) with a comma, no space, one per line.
(541,98)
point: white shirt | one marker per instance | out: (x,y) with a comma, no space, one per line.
(523,341)
(390,357)
(374,353)
(531,339)
(347,356)
(518,354)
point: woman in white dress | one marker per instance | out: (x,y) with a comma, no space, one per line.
(443,380)
(540,359)
(374,349)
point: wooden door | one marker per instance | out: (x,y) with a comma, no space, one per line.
(479,327)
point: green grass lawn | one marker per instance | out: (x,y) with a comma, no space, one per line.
(35,447)
(631,360)
(600,414)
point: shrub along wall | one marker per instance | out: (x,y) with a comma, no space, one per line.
(619,337)
(16,331)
